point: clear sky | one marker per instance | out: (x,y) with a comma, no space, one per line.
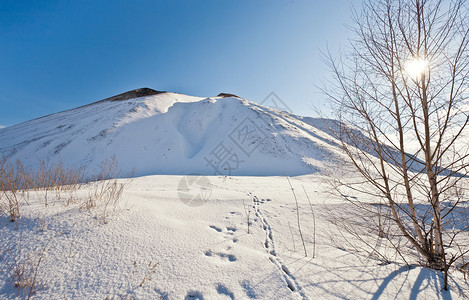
(60,54)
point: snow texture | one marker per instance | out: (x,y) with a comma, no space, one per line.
(205,252)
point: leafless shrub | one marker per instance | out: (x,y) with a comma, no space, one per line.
(104,198)
(56,178)
(42,224)
(16,184)
(24,268)
(105,193)
(298,216)
(11,185)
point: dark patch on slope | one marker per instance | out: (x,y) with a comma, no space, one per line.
(143,92)
(226,95)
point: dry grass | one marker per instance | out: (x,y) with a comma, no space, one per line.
(23,268)
(150,269)
(12,181)
(53,184)
(55,178)
(105,193)
(62,185)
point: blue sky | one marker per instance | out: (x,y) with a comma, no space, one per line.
(57,55)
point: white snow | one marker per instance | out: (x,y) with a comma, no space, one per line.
(186,237)
(174,134)
(205,252)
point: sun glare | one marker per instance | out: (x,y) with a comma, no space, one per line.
(416,67)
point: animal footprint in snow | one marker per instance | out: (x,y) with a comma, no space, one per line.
(218,229)
(223,290)
(255,200)
(228,234)
(231,230)
(258,201)
(194,295)
(222,256)
(249,289)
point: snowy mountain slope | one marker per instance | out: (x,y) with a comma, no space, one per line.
(168,133)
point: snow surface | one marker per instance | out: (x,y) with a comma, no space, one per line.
(175,134)
(205,252)
(186,237)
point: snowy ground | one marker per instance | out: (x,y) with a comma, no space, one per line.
(204,251)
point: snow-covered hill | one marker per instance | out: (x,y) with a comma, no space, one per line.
(169,133)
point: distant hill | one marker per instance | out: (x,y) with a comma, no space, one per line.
(153,132)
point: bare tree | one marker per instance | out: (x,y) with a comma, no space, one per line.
(400,92)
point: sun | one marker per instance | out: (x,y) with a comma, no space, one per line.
(416,67)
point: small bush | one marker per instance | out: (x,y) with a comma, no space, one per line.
(105,193)
(24,268)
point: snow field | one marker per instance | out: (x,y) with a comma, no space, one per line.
(204,252)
